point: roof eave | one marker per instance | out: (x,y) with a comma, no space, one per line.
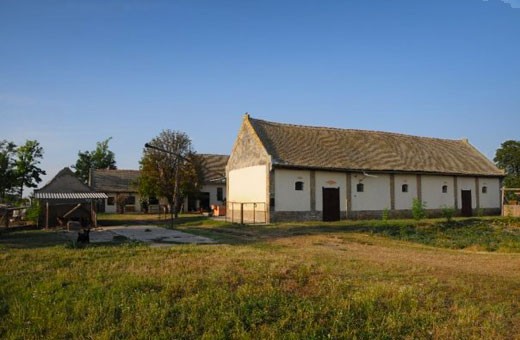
(386,171)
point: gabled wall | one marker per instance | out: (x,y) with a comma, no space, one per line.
(247,151)
(248,178)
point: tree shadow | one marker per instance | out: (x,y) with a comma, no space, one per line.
(31,239)
(41,238)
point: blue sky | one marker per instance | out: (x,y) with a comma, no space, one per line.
(76,72)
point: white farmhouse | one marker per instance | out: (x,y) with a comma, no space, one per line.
(280,172)
(123,196)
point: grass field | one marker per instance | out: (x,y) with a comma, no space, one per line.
(368,279)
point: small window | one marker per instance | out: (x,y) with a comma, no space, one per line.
(298,186)
(444,189)
(484,190)
(153,200)
(404,188)
(360,187)
(220,194)
(111,200)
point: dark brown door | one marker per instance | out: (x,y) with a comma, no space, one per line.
(466,203)
(331,206)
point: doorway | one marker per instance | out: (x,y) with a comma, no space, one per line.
(466,210)
(331,204)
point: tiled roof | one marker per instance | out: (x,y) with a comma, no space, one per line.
(65,186)
(106,180)
(331,148)
(69,195)
(215,167)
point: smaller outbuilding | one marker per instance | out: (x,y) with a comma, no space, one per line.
(65,198)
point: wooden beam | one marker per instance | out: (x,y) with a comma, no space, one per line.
(46,214)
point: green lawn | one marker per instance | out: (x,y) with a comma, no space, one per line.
(368,279)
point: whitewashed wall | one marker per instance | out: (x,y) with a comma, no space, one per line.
(376,195)
(212,189)
(286,197)
(331,180)
(113,208)
(248,184)
(491,199)
(432,194)
(403,200)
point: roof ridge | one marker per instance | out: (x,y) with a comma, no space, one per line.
(357,130)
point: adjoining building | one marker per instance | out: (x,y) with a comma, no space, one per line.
(121,188)
(212,196)
(123,195)
(280,172)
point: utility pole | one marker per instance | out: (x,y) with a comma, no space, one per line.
(177,157)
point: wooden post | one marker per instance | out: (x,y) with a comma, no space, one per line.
(392,191)
(93,217)
(502,201)
(46,214)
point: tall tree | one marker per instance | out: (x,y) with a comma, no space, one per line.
(7,168)
(27,163)
(100,158)
(170,168)
(507,157)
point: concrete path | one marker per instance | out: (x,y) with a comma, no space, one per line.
(154,235)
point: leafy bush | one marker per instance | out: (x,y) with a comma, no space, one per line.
(33,212)
(386,214)
(418,209)
(448,213)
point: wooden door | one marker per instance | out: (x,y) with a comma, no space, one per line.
(466,203)
(331,204)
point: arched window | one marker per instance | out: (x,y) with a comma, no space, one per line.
(404,188)
(298,186)
(484,190)
(444,189)
(360,187)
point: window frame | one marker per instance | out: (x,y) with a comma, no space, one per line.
(111,201)
(220,194)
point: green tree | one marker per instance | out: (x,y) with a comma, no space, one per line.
(100,158)
(7,168)
(170,168)
(27,163)
(507,157)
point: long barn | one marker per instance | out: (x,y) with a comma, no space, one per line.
(281,172)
